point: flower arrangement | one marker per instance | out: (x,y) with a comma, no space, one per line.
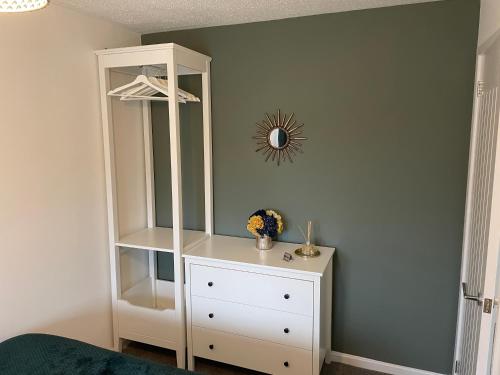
(264,223)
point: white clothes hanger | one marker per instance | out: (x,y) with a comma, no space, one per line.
(149,88)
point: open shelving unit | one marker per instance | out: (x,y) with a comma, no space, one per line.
(145,308)
(160,239)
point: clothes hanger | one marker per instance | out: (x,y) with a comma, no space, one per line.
(148,88)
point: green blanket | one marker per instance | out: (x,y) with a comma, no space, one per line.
(37,354)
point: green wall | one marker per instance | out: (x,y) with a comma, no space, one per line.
(386,96)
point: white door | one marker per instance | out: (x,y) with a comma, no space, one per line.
(479,280)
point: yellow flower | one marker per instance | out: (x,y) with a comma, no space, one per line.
(271,213)
(254,223)
(280,226)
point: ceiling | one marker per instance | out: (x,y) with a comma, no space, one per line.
(146,16)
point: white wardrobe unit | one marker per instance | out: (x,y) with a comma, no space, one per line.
(145,308)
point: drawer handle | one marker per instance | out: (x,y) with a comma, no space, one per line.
(210,284)
(286,364)
(286,330)
(211,315)
(211,347)
(287,296)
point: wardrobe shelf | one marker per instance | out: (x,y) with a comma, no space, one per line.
(146,294)
(145,308)
(160,239)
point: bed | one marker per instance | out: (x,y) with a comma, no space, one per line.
(39,354)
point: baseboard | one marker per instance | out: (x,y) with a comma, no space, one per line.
(373,365)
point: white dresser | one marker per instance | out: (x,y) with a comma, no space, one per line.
(255,310)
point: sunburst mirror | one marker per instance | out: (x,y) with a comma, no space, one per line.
(279,137)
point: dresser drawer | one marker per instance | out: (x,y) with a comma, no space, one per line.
(254,354)
(272,292)
(265,324)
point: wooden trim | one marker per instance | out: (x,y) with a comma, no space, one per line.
(207,150)
(189,330)
(326,322)
(177,214)
(487,330)
(468,208)
(179,60)
(373,365)
(149,166)
(316,342)
(152,47)
(112,210)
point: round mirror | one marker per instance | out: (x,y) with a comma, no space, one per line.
(278,138)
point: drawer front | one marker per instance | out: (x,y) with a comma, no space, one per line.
(272,292)
(265,324)
(250,353)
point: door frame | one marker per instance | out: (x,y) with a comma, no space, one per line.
(468,207)
(491,285)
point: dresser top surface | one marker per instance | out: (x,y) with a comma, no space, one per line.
(242,251)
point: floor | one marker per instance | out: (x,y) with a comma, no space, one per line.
(207,367)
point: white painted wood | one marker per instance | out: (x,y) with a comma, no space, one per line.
(318,356)
(207,149)
(177,217)
(492,270)
(139,337)
(326,312)
(373,365)
(143,294)
(189,331)
(148,308)
(149,163)
(109,166)
(235,250)
(160,239)
(189,61)
(138,316)
(247,302)
(480,263)
(468,210)
(495,368)
(152,54)
(240,287)
(153,270)
(250,321)
(251,353)
(486,362)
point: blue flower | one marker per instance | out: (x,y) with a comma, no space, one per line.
(270,227)
(261,213)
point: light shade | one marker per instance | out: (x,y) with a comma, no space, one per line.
(14,6)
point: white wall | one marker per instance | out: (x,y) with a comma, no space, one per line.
(490,19)
(54,273)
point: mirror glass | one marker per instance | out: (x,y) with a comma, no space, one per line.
(278,138)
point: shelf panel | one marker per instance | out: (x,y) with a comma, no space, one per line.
(160,239)
(144,294)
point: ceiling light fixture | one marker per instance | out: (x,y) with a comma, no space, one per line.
(16,6)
